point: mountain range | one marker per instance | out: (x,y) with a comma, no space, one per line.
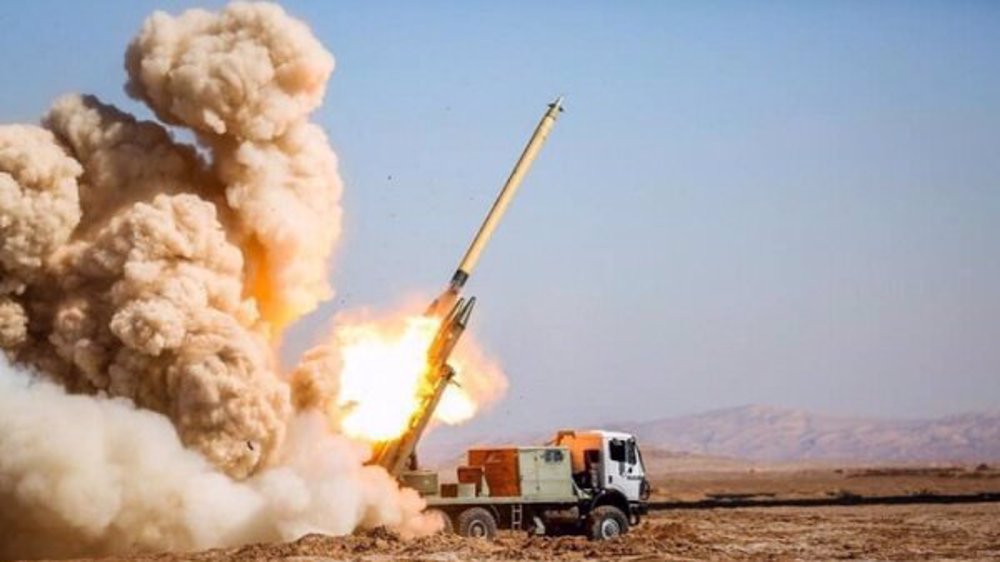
(781,434)
(767,433)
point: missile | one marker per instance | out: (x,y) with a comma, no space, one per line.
(446,301)
(399,454)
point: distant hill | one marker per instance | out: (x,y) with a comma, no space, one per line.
(766,433)
(779,434)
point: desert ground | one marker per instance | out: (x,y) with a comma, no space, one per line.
(878,532)
(924,532)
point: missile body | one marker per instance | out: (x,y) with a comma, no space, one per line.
(447,299)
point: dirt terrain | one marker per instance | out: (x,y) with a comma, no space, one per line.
(905,532)
(965,532)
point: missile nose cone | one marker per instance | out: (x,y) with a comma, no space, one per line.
(557,105)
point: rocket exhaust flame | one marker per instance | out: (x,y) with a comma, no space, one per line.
(370,377)
(400,362)
(434,380)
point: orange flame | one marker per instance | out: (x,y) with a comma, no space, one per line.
(383,364)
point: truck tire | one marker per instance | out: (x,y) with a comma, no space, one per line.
(448,527)
(477,522)
(606,522)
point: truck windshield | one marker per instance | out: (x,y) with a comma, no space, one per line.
(632,452)
(636,452)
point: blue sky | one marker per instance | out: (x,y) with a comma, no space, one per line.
(777,202)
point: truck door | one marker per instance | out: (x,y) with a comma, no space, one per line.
(624,471)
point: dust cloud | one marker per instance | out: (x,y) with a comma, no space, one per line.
(144,287)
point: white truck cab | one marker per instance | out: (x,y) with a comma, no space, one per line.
(608,464)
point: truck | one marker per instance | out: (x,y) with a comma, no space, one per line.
(589,482)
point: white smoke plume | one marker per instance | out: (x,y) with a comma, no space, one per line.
(82,476)
(145,284)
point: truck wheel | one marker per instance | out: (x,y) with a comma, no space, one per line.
(606,522)
(477,522)
(448,527)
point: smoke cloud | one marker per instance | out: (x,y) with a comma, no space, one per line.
(144,287)
(86,475)
(39,208)
(245,80)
